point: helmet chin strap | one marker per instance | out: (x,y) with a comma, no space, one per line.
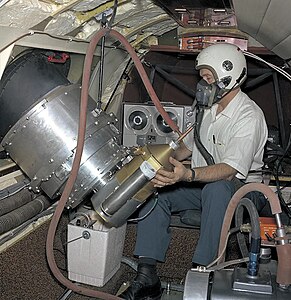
(223,92)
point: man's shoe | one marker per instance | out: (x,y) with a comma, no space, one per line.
(138,291)
(146,285)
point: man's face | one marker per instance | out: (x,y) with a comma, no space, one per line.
(207,75)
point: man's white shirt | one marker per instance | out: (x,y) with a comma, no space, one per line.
(236,136)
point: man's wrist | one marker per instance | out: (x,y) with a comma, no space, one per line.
(191,176)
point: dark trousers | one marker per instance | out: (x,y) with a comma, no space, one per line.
(153,232)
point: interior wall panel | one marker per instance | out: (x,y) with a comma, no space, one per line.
(252,11)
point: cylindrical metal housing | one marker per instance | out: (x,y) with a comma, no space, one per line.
(43,143)
(130,187)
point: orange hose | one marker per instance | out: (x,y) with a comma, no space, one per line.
(79,149)
(71,181)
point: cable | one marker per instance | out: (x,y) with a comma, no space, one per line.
(110,22)
(278,69)
(17,39)
(11,234)
(66,295)
(9,194)
(229,263)
(276,175)
(221,254)
(116,86)
(224,248)
(63,38)
(152,208)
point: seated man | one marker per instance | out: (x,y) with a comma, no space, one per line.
(226,145)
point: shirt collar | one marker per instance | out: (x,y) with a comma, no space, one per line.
(230,109)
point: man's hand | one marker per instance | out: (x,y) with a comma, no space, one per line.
(179,173)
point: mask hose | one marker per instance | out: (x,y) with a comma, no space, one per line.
(207,156)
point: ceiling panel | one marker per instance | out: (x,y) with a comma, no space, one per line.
(250,14)
(268,22)
(276,23)
(283,49)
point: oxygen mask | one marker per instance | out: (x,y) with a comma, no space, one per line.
(208,94)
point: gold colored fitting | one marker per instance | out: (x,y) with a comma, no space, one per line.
(157,156)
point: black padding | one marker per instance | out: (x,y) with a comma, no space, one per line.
(24,81)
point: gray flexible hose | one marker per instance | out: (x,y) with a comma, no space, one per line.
(15,201)
(253,213)
(23,213)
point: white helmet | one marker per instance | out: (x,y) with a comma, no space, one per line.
(227,63)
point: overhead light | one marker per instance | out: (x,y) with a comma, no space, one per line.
(180,10)
(192,22)
(224,23)
(219,10)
